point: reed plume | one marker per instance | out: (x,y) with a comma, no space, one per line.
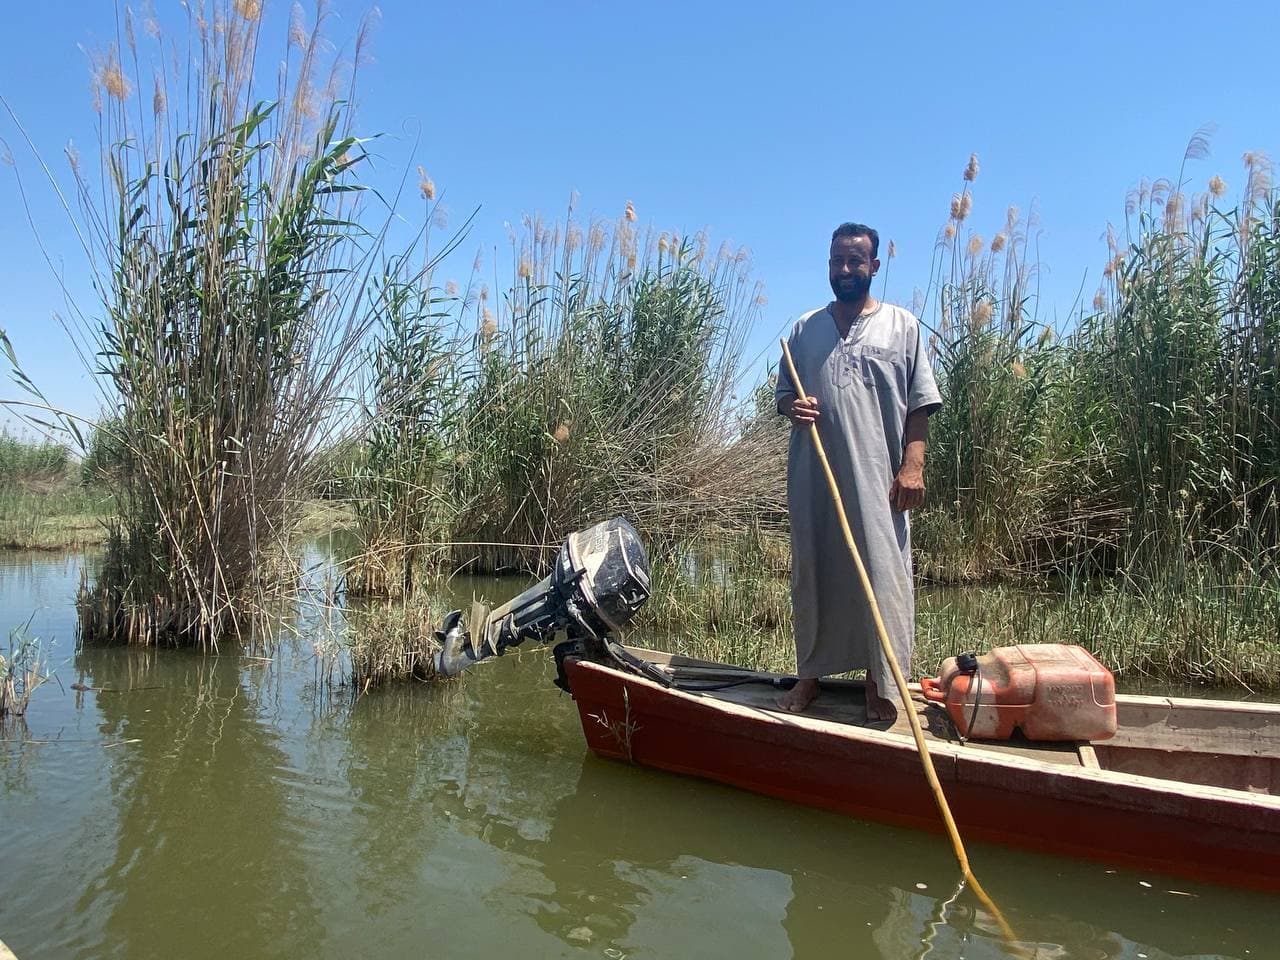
(224,242)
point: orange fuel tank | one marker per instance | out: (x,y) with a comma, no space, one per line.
(1052,691)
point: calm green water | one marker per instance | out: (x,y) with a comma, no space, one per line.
(238,810)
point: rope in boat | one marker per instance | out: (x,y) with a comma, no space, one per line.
(916,732)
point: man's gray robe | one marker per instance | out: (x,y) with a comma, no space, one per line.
(865,384)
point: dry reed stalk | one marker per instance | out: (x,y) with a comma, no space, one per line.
(223,241)
(607,384)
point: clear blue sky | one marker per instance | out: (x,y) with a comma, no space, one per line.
(767,124)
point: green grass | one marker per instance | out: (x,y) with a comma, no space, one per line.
(1208,633)
(43,503)
(24,665)
(393,641)
(68,514)
(56,516)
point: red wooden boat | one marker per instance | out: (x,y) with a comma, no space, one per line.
(1185,786)
(1188,787)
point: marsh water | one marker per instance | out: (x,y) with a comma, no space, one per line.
(241,807)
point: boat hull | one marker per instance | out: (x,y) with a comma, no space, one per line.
(1222,836)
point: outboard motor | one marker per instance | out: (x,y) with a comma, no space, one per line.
(600,579)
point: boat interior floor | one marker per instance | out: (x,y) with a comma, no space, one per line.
(845,701)
(1229,745)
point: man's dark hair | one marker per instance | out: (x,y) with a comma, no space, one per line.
(858,230)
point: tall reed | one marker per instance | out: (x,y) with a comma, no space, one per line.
(394,641)
(606,378)
(399,482)
(225,244)
(1186,350)
(607,381)
(23,668)
(1144,440)
(995,368)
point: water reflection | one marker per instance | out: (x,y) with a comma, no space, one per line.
(463,813)
(205,849)
(650,864)
(399,749)
(684,871)
(261,814)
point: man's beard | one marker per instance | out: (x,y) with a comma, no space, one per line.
(851,289)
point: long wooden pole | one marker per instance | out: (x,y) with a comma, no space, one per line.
(926,761)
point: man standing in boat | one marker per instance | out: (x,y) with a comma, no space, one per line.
(870,391)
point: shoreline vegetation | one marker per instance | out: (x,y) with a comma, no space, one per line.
(47,500)
(1207,634)
(1112,482)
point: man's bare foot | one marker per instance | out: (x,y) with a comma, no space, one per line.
(799,696)
(878,708)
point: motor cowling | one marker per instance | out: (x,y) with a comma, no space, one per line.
(599,580)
